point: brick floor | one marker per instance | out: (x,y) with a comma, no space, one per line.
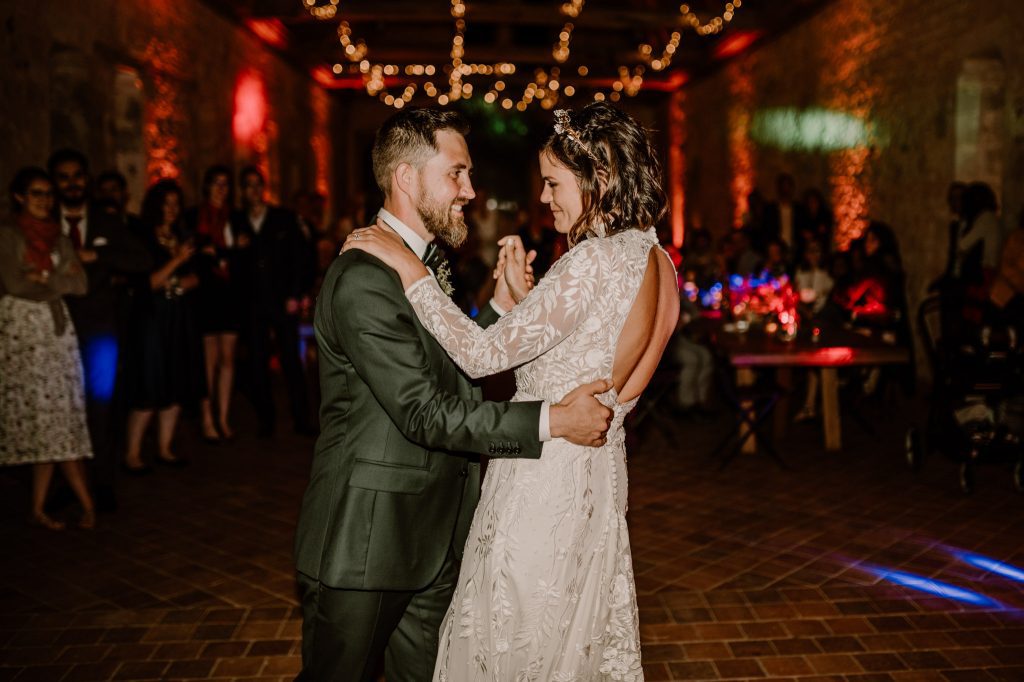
(747,573)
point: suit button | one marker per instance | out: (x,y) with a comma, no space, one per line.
(463,473)
(490,448)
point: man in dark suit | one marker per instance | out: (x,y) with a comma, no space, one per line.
(784,220)
(275,282)
(395,479)
(111,254)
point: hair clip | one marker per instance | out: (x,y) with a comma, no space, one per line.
(563,127)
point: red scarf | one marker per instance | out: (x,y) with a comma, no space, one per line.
(213,223)
(40,240)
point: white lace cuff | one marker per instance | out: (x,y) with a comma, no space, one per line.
(417,284)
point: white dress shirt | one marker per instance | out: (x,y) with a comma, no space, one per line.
(83,226)
(419,247)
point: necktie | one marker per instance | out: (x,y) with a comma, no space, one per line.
(433,257)
(73,230)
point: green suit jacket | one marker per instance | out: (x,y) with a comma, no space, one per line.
(395,477)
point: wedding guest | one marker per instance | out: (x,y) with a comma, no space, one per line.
(274,287)
(539,236)
(1007,292)
(111,256)
(814,285)
(776,261)
(747,260)
(977,251)
(696,364)
(699,257)
(112,197)
(218,299)
(42,400)
(784,219)
(818,223)
(165,367)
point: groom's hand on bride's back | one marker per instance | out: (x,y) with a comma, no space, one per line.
(580,418)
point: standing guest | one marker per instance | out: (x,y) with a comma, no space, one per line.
(783,220)
(818,224)
(218,299)
(42,401)
(111,255)
(274,287)
(112,197)
(165,362)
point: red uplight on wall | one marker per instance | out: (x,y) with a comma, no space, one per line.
(735,43)
(270,31)
(250,107)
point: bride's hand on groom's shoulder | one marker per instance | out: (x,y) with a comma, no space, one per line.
(384,243)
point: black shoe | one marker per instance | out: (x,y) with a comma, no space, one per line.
(265,432)
(211,440)
(144,470)
(106,501)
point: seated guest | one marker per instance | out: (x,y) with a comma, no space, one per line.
(776,263)
(1007,291)
(977,254)
(814,284)
(696,365)
(42,401)
(165,363)
(747,261)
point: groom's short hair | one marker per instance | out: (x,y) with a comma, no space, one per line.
(410,136)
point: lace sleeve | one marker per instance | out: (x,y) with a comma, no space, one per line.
(561,301)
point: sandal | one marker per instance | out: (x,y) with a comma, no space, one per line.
(41,520)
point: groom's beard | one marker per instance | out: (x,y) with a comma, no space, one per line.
(441,222)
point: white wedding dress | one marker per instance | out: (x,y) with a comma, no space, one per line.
(546,590)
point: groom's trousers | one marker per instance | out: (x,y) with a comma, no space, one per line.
(344,632)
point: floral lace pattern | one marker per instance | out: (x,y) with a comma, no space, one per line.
(546,590)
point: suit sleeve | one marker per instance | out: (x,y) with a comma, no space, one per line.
(375,326)
(124,253)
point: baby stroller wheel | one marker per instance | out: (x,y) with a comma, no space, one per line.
(914,446)
(967,477)
(1018,475)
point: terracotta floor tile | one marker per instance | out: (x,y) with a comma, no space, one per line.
(194,579)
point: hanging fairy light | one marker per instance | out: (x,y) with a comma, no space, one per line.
(354,51)
(321,12)
(572,8)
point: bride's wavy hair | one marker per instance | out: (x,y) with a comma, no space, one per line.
(604,146)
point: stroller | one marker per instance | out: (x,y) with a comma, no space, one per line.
(976,409)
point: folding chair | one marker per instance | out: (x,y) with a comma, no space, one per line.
(752,405)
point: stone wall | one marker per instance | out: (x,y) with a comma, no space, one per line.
(909,72)
(151,88)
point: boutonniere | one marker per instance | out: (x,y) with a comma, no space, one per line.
(444,278)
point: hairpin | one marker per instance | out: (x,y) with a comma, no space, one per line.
(563,127)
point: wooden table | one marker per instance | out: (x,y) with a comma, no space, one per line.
(834,349)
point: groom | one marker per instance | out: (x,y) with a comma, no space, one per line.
(395,478)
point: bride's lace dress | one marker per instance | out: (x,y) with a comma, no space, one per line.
(546,590)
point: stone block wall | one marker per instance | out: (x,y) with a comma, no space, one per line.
(904,70)
(150,88)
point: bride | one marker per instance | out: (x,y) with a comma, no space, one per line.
(546,588)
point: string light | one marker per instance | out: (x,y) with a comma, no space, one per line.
(321,12)
(354,51)
(572,8)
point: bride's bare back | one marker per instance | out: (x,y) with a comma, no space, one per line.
(648,327)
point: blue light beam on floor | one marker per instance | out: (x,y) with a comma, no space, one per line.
(991,565)
(936,587)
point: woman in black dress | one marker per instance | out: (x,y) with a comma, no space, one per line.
(217,300)
(166,363)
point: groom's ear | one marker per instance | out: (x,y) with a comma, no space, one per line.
(405,180)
